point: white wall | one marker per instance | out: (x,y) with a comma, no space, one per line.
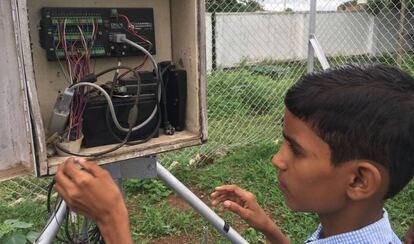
(255,37)
(209,36)
(344,34)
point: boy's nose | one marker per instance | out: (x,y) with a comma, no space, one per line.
(278,162)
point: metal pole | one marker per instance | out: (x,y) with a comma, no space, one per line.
(172,182)
(53,226)
(319,53)
(312,27)
(145,168)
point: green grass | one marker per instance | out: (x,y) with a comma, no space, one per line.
(401,209)
(245,108)
(249,167)
(27,211)
(152,217)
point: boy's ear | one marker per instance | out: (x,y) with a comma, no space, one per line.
(365,181)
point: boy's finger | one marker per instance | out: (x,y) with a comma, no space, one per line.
(68,167)
(61,191)
(235,208)
(72,171)
(220,199)
(217,201)
(217,194)
(242,193)
(226,188)
(90,167)
(235,189)
(63,180)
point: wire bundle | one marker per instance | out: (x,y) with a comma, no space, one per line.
(80,73)
(76,229)
(78,65)
(131,29)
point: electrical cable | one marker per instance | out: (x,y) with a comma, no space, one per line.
(131,29)
(136,45)
(49,208)
(49,195)
(78,66)
(132,143)
(109,126)
(112,109)
(99,153)
(93,234)
(132,118)
(56,54)
(168,128)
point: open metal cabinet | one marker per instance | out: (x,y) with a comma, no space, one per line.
(30,83)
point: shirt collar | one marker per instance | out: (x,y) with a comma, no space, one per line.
(379,230)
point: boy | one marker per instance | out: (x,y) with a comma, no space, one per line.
(349,139)
(349,135)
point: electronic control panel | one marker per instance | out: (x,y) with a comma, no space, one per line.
(68,32)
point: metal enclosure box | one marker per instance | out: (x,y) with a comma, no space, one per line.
(29,83)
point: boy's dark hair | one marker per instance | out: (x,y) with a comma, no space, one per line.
(362,112)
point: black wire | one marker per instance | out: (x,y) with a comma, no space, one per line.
(93,155)
(137,141)
(49,203)
(164,116)
(163,72)
(73,236)
(155,131)
(108,124)
(98,154)
(66,227)
(49,195)
(96,235)
(115,68)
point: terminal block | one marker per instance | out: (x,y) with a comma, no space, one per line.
(64,32)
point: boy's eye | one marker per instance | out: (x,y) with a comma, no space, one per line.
(296,151)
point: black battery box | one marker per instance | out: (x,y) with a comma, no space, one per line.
(97,128)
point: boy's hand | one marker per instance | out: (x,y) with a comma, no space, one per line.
(243,203)
(409,237)
(91,191)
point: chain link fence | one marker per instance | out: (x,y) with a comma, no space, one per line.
(257,49)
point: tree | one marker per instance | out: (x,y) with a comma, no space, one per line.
(233,6)
(215,6)
(376,6)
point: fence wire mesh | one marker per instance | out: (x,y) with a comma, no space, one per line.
(257,49)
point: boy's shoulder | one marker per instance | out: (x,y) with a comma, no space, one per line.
(378,232)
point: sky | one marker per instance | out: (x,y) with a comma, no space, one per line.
(301,5)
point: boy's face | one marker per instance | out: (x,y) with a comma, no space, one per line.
(307,178)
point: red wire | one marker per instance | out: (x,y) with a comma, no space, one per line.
(131,30)
(81,65)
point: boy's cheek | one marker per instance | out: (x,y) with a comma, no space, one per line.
(313,194)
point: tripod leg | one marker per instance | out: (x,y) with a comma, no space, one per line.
(52,228)
(172,182)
